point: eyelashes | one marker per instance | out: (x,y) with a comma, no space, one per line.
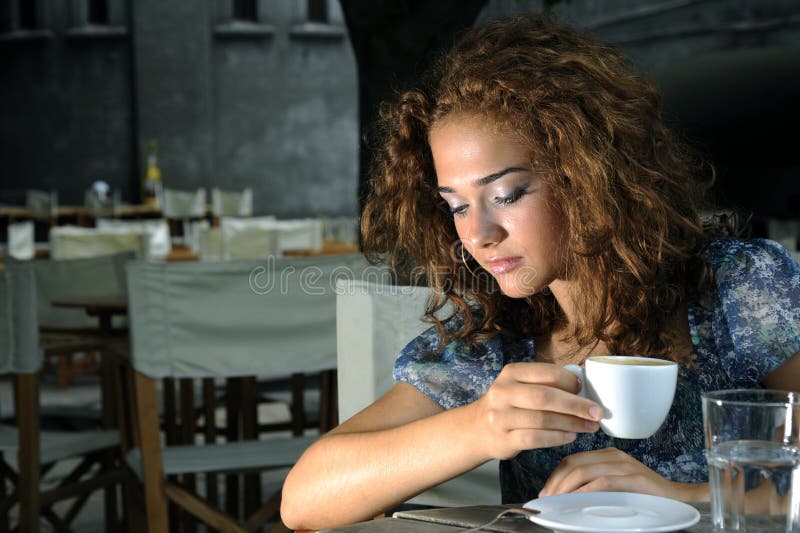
(519,192)
(458,210)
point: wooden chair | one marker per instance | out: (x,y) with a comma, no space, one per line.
(341,230)
(300,234)
(231,204)
(21,244)
(158,240)
(66,332)
(374,322)
(259,237)
(213,321)
(74,242)
(43,205)
(38,451)
(248,238)
(185,211)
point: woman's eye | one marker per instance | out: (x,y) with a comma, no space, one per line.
(513,197)
(458,210)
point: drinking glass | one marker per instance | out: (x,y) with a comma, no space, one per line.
(753,451)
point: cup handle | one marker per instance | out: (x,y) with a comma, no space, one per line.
(578,372)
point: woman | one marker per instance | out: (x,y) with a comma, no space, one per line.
(534,183)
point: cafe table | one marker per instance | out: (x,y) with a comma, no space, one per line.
(454,519)
(102,307)
(328,248)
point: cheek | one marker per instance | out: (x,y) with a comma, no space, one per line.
(462,230)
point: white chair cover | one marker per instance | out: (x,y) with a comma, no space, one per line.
(300,234)
(211,244)
(232,204)
(20,353)
(184,204)
(249,238)
(44,204)
(159,244)
(236,318)
(374,323)
(21,243)
(192,233)
(71,242)
(92,277)
(19,332)
(341,229)
(246,318)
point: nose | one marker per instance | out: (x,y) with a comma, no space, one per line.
(482,230)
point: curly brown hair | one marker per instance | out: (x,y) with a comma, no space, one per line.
(628,189)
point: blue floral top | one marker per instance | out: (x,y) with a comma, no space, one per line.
(743,327)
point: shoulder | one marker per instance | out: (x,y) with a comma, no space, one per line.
(456,373)
(754,277)
(755,304)
(735,261)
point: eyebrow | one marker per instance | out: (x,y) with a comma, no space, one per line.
(486,180)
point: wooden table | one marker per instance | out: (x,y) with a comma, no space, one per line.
(83,215)
(104,308)
(178,253)
(453,519)
(328,248)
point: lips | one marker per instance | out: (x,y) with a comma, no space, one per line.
(502,265)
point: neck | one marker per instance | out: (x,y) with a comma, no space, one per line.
(561,292)
(562,349)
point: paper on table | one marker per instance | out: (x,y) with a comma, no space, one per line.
(474,516)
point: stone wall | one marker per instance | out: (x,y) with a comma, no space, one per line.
(272,103)
(269,104)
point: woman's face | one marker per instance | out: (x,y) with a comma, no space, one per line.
(500,206)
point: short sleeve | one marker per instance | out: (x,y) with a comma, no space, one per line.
(453,376)
(757,321)
(457,374)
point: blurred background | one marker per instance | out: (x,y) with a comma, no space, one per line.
(272,95)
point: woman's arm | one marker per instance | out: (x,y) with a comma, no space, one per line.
(613,470)
(786,376)
(405,443)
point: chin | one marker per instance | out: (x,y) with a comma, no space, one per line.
(513,290)
(518,286)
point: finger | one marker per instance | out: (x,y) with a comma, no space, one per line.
(516,418)
(529,439)
(545,398)
(617,483)
(544,374)
(609,454)
(571,480)
(577,460)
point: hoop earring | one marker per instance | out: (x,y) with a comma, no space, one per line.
(464,260)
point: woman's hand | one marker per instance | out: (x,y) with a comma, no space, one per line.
(533,405)
(616,471)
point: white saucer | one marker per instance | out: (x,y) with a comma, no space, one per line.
(607,512)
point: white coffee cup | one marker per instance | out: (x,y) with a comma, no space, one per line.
(635,392)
